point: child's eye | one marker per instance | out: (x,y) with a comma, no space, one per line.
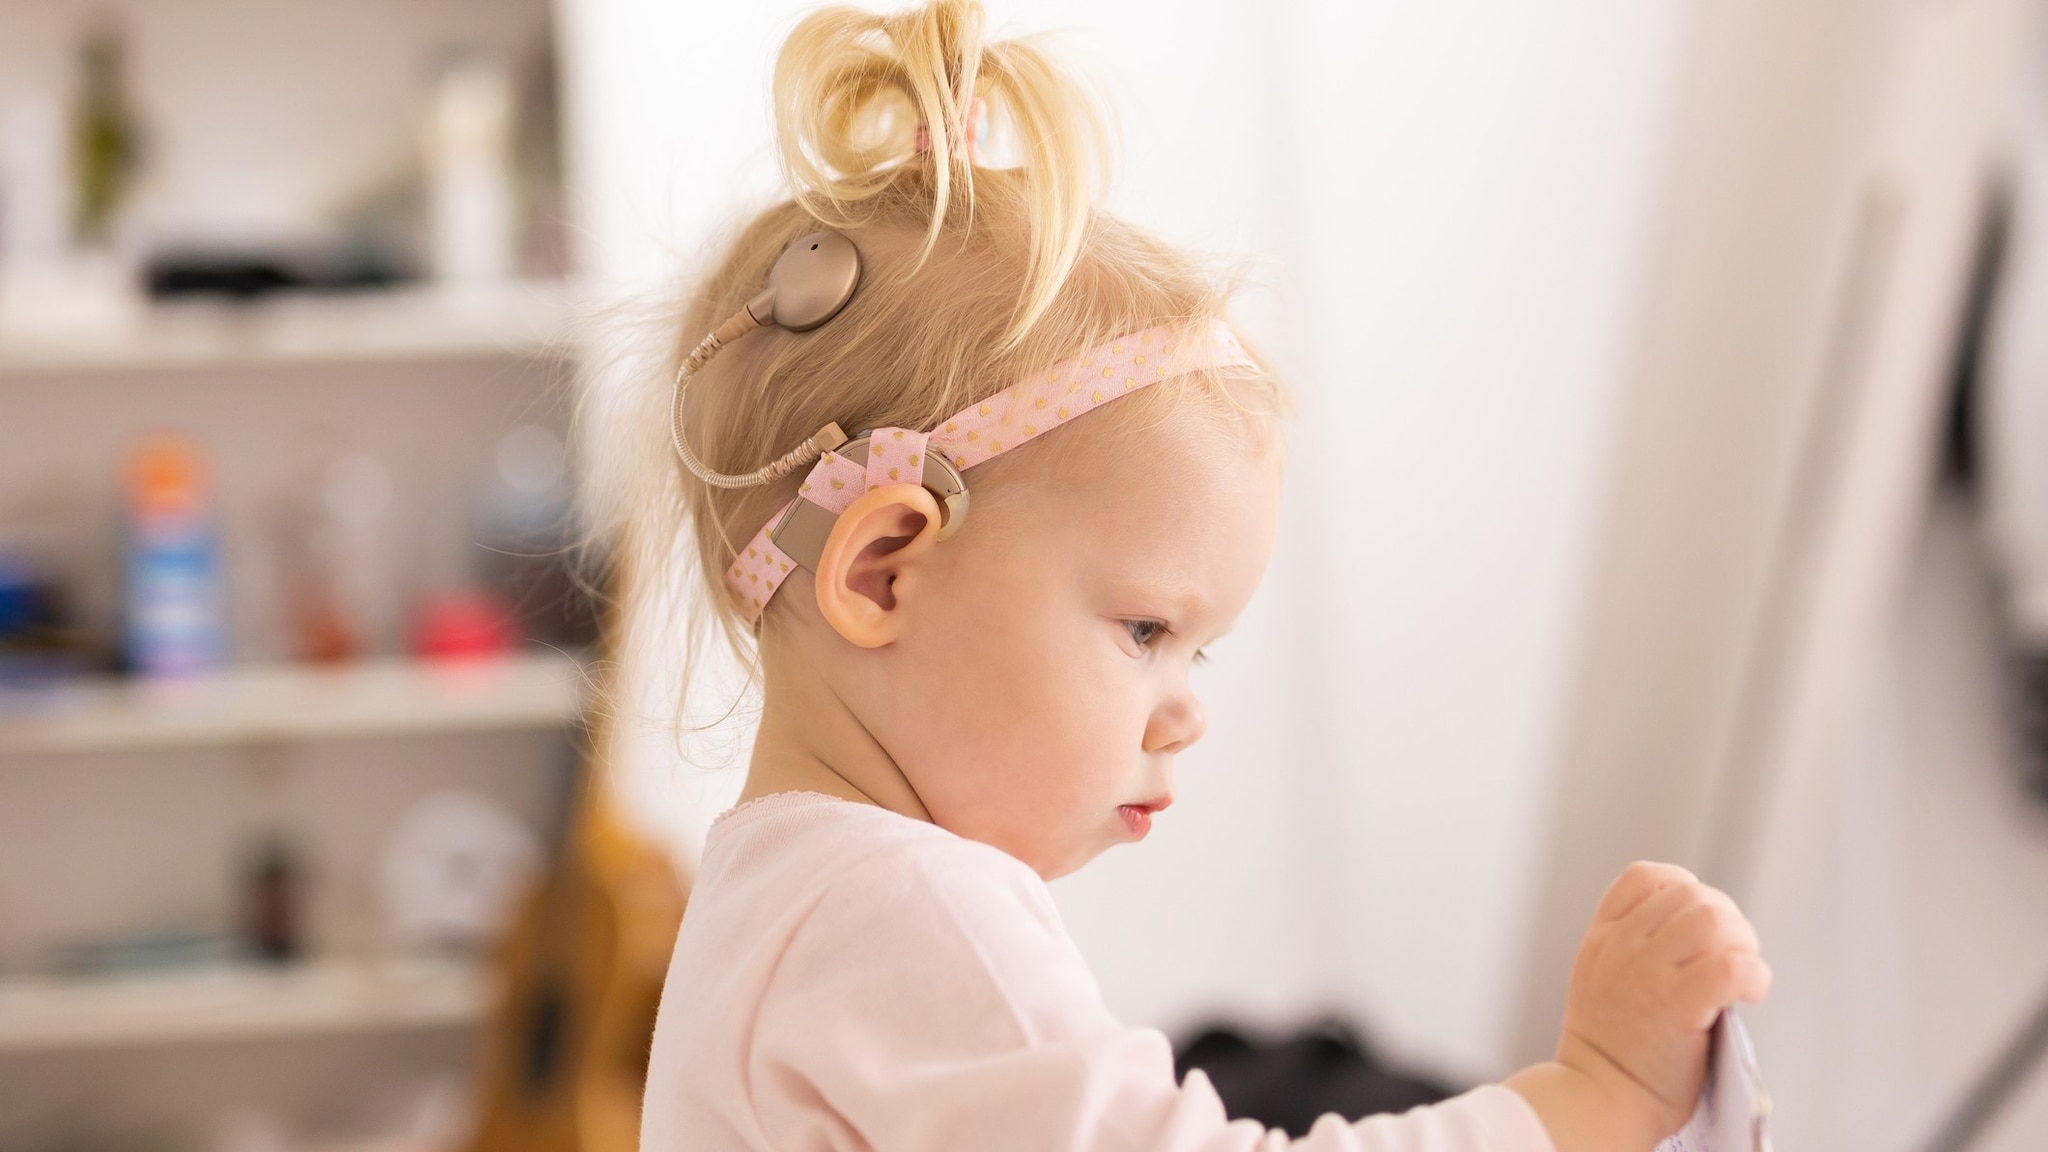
(1145,631)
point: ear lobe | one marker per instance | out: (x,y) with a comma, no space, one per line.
(873,543)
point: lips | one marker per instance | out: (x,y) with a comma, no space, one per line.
(1138,817)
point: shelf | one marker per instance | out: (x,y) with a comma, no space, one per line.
(40,1014)
(412,323)
(298,702)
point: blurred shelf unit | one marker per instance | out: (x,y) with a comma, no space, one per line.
(238,1002)
(279,703)
(529,318)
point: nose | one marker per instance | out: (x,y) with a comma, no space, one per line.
(1176,724)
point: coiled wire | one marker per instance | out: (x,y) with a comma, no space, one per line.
(826,438)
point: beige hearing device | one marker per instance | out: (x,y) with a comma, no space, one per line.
(810,283)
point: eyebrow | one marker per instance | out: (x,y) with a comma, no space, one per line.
(1181,599)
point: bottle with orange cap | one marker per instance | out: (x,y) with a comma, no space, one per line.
(174,624)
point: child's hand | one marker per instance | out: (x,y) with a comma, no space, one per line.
(1664,955)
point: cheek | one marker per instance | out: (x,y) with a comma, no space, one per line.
(1012,667)
(1035,723)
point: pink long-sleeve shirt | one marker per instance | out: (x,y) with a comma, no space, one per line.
(849,978)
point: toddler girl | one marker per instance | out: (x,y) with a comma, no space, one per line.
(963,699)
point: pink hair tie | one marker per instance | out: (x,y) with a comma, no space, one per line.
(977,120)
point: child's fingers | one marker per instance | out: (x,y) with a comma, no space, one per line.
(1718,979)
(1637,883)
(1709,922)
(1654,912)
(1754,981)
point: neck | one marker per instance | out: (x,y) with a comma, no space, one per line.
(810,740)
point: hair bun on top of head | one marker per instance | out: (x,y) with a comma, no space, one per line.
(863,100)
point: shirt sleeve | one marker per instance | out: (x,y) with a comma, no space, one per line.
(932,1001)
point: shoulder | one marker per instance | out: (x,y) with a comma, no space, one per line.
(915,921)
(914,871)
(838,856)
(916,886)
(824,861)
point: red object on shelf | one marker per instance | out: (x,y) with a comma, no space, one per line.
(462,625)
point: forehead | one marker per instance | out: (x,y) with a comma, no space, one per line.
(1186,504)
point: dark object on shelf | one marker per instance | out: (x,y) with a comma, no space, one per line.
(39,642)
(256,275)
(242,279)
(275,887)
(1288,1083)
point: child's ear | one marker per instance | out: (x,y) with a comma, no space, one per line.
(874,545)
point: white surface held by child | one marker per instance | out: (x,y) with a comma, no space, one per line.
(1734,1110)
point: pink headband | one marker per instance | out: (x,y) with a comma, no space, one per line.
(995,425)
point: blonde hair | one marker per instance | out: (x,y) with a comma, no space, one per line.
(972,276)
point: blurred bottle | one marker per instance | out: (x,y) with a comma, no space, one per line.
(273,891)
(468,140)
(105,141)
(335,556)
(173,617)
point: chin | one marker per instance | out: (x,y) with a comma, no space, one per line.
(1066,863)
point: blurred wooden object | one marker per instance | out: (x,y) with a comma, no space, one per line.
(564,1061)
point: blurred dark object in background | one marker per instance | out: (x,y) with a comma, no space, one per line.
(1969,465)
(1287,1083)
(1967,468)
(273,896)
(1961,452)
(252,275)
(39,642)
(2030,683)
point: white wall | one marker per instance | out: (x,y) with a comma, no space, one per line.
(1447,207)
(1474,184)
